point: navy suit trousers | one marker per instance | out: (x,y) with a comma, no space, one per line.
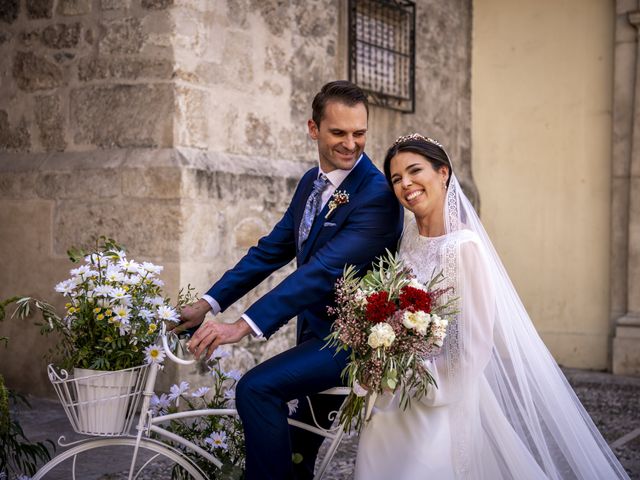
(261,399)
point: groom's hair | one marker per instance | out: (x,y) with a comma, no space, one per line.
(341,91)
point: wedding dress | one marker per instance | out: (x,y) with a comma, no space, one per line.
(502,408)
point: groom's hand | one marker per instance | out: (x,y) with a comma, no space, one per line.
(192,315)
(213,334)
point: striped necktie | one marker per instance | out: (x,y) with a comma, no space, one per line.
(311,209)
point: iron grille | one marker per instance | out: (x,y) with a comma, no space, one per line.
(382,51)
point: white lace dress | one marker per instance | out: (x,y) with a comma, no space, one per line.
(441,436)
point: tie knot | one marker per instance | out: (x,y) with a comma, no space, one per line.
(321,182)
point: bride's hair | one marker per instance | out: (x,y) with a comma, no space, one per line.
(430,149)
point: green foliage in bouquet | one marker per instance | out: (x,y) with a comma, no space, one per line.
(114,309)
(390,324)
(221,435)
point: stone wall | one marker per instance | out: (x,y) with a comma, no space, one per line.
(179,128)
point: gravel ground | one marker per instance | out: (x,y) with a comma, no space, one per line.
(612,401)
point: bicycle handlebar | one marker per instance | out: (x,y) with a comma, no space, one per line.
(168,351)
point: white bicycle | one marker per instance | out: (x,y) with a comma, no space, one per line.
(146,454)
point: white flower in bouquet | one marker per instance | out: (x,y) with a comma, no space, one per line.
(418,321)
(438,330)
(382,335)
(359,390)
(416,284)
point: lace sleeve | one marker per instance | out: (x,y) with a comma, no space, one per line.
(470,339)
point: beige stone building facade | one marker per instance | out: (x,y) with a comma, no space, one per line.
(178,127)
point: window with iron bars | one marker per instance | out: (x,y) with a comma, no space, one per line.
(382,51)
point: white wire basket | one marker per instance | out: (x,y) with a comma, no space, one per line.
(99,402)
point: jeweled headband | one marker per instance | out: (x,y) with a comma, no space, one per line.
(416,136)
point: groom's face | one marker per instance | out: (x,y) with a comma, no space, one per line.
(341,135)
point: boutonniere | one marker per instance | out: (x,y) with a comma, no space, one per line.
(339,197)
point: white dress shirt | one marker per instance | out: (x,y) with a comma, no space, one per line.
(336,177)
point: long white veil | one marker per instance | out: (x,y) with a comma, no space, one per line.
(523,384)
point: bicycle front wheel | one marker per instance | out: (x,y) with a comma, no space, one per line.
(110,459)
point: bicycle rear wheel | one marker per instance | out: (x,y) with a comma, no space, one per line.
(110,459)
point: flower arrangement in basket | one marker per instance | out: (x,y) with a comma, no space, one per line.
(108,334)
(391,323)
(221,435)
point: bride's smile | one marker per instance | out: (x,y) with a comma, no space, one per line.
(421,189)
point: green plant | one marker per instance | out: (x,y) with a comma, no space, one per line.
(221,435)
(18,455)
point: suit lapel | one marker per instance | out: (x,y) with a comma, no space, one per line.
(349,185)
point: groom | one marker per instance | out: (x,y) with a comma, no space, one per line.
(342,212)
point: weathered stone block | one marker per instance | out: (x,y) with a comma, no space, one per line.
(13,139)
(32,72)
(40,8)
(61,35)
(123,115)
(80,184)
(74,7)
(131,69)
(152,183)
(17,185)
(9,10)
(192,117)
(151,228)
(156,4)
(248,231)
(29,38)
(276,15)
(122,37)
(62,57)
(50,122)
(5,37)
(114,4)
(258,134)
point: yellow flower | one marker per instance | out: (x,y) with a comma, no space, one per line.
(97,310)
(72,310)
(152,328)
(108,312)
(100,317)
(67,305)
(126,288)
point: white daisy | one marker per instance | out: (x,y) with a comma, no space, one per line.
(200,392)
(217,440)
(151,268)
(154,354)
(293,406)
(177,390)
(168,314)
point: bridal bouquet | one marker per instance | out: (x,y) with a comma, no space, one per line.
(391,323)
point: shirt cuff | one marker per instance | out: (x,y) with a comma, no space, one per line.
(215,306)
(257,332)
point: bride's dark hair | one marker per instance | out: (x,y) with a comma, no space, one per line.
(430,149)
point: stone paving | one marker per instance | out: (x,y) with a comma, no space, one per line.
(612,401)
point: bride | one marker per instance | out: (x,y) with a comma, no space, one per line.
(502,409)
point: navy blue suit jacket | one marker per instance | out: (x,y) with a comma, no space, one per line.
(355,233)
